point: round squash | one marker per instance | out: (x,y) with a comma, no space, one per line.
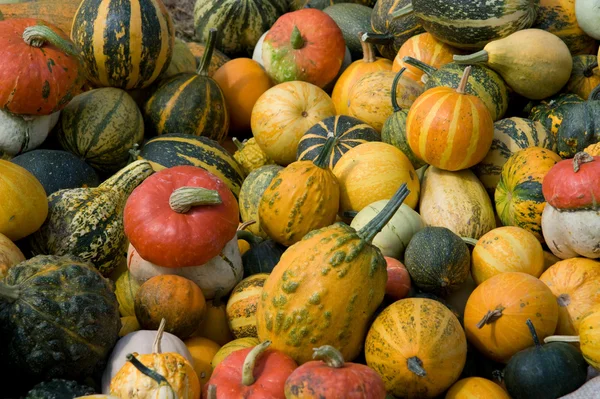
(202,350)
(417,346)
(241,306)
(10,255)
(353,19)
(230,347)
(476,388)
(497,309)
(284,113)
(20,134)
(585,75)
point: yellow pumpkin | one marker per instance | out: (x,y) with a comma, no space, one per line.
(476,388)
(236,344)
(593,150)
(215,326)
(10,255)
(371,172)
(202,350)
(589,334)
(24,202)
(575,283)
(241,306)
(126,288)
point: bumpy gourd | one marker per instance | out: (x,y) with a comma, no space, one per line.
(250,156)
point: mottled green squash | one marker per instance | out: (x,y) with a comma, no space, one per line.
(550,112)
(59,389)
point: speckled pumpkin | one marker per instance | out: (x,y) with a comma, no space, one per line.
(241,306)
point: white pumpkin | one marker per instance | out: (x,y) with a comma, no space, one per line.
(257,53)
(395,235)
(220,274)
(19,134)
(587,13)
(570,234)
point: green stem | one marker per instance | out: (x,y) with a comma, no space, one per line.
(323,158)
(247,236)
(470,240)
(588,72)
(250,362)
(330,355)
(475,58)
(394,88)
(238,144)
(38,35)
(208,52)
(371,229)
(534,335)
(9,293)
(184,198)
(426,68)
(415,365)
(462,86)
(404,11)
(296,39)
(378,38)
(561,338)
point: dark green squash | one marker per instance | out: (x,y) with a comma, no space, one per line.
(437,260)
(59,318)
(59,389)
(550,112)
(394,129)
(545,371)
(352,19)
(189,103)
(262,256)
(348,132)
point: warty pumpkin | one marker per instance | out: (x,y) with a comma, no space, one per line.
(241,306)
(249,155)
(10,255)
(585,75)
(593,149)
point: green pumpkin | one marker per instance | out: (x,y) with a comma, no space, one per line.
(352,19)
(550,112)
(437,260)
(394,129)
(262,256)
(59,389)
(545,371)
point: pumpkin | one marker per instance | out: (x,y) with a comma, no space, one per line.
(252,373)
(585,75)
(214,326)
(21,134)
(513,58)
(593,149)
(58,388)
(497,309)
(417,346)
(304,45)
(303,197)
(398,284)
(457,201)
(249,155)
(588,333)
(189,102)
(10,255)
(53,340)
(551,112)
(394,237)
(284,113)
(233,346)
(241,306)
(179,198)
(328,376)
(24,203)
(126,289)
(127,46)
(506,249)
(202,351)
(80,216)
(440,140)
(370,99)
(41,72)
(262,256)
(101,126)
(510,135)
(544,371)
(586,14)
(371,172)
(477,388)
(348,132)
(217,60)
(183,60)
(251,192)
(576,286)
(59,13)
(519,199)
(243,81)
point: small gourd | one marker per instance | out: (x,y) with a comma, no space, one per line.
(250,156)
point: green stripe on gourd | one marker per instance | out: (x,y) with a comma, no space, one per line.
(550,112)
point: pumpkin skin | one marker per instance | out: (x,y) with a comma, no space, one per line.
(217,60)
(398,284)
(59,13)
(241,306)
(129,324)
(551,112)
(576,285)
(233,346)
(519,199)
(517,297)
(284,113)
(20,134)
(10,255)
(585,75)
(476,388)
(593,150)
(571,233)
(215,326)
(29,85)
(183,60)
(202,351)
(262,257)
(133,59)
(24,203)
(412,335)
(126,289)
(588,334)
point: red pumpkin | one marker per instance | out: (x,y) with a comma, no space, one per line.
(331,378)
(251,373)
(36,78)
(398,282)
(180,217)
(573,183)
(304,45)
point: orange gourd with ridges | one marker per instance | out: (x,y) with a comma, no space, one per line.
(448,128)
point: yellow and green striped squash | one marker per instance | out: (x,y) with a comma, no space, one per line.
(519,199)
(232,346)
(241,306)
(252,190)
(124,44)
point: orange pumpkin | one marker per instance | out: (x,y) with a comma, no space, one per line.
(354,72)
(243,81)
(202,350)
(476,388)
(214,326)
(575,283)
(448,128)
(176,299)
(426,48)
(10,255)
(497,311)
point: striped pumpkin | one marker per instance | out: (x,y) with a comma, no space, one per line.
(472,24)
(519,199)
(448,128)
(585,75)
(348,131)
(241,306)
(510,135)
(125,44)
(101,126)
(240,22)
(177,149)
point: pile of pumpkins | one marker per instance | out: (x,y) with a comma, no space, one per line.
(351,200)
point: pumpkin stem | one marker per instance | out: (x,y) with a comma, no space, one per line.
(350,214)
(416,366)
(330,355)
(250,362)
(490,317)
(377,38)
(426,68)
(581,158)
(475,58)
(561,338)
(156,348)
(469,240)
(296,39)
(404,11)
(208,52)
(9,293)
(211,393)
(184,198)
(367,49)
(247,236)
(463,81)
(245,224)
(534,335)
(238,144)
(589,70)
(370,230)
(394,88)
(323,157)
(142,368)
(38,35)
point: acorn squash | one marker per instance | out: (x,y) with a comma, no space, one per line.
(585,75)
